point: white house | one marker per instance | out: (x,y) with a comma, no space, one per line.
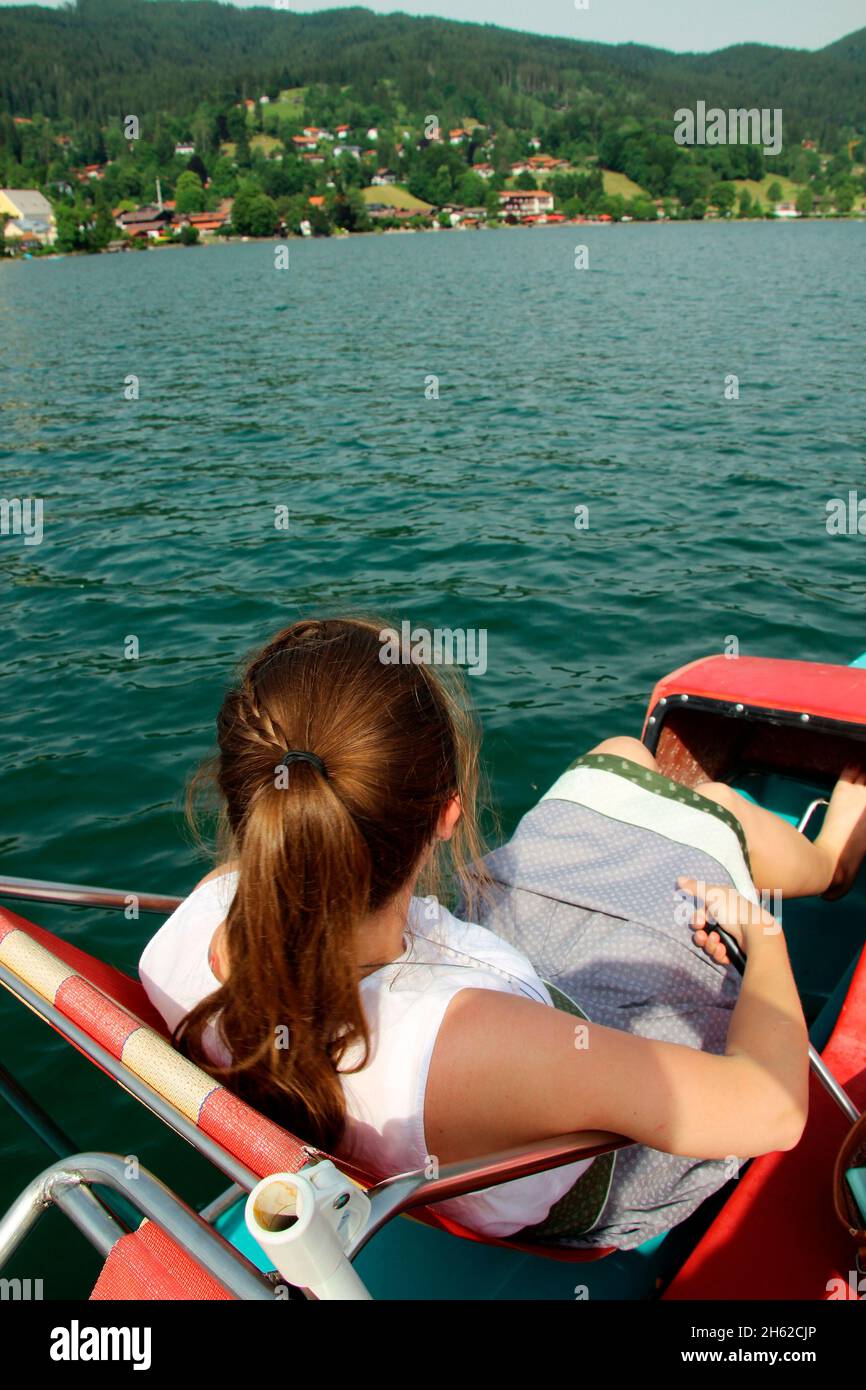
(518,202)
(30,214)
(185,147)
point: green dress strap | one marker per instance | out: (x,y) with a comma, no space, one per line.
(579,1209)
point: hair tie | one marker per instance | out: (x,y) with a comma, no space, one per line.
(302,755)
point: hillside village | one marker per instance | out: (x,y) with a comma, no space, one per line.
(260,169)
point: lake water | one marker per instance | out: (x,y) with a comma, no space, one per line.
(307,388)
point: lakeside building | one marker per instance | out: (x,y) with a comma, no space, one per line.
(30,217)
(155,220)
(384,177)
(464,217)
(206,223)
(521,203)
(149,221)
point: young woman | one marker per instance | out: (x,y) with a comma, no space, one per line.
(307,974)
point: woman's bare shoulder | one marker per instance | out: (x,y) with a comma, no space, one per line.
(229,867)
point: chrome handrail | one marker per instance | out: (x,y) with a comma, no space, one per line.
(43,890)
(402,1193)
(835,1090)
(65,1184)
(810,811)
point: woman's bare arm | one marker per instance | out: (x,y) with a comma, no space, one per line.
(507,1070)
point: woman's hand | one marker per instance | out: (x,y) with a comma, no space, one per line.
(729,909)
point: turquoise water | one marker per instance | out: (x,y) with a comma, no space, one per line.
(305,388)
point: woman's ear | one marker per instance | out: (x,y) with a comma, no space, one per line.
(451,813)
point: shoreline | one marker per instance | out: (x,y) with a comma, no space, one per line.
(415,231)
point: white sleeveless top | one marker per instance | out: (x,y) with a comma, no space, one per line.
(404,1003)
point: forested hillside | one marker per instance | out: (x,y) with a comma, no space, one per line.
(101,58)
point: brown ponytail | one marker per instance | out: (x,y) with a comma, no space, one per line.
(318,853)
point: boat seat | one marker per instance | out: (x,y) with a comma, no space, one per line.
(148,1265)
(777,1235)
(114,1011)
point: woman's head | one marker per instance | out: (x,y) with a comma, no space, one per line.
(322,845)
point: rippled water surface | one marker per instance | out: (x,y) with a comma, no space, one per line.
(306,388)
